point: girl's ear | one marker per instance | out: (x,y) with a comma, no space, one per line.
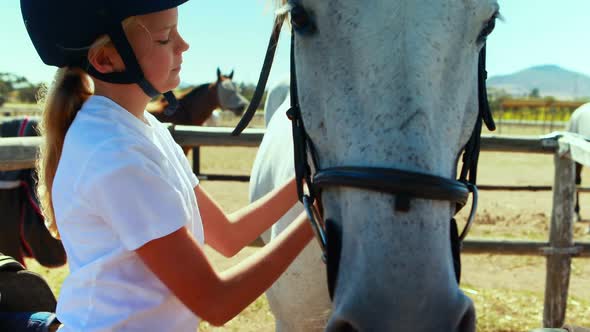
(106,60)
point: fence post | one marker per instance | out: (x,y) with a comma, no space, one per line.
(560,240)
(197,160)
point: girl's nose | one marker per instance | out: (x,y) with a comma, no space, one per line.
(183,46)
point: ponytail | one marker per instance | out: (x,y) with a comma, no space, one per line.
(69,90)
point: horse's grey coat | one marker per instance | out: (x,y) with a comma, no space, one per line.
(579,123)
(382,84)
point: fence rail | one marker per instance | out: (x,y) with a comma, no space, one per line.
(18,153)
(519,248)
(16,111)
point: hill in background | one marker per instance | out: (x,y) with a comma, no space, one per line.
(550,80)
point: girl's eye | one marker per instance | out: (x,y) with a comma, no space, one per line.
(163,42)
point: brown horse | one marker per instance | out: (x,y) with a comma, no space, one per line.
(196,105)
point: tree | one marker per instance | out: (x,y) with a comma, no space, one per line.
(496,97)
(28,94)
(535,94)
(247,90)
(19,86)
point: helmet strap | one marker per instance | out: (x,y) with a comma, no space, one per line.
(133,72)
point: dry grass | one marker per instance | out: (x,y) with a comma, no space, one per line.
(504,310)
(256,318)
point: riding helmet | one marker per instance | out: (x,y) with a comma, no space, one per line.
(63,30)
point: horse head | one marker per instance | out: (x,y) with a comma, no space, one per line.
(228,94)
(398,90)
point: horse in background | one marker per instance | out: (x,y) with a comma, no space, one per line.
(275,97)
(22,228)
(378,88)
(579,123)
(196,105)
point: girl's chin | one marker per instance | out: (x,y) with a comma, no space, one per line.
(172,83)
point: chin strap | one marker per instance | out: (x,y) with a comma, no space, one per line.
(172,103)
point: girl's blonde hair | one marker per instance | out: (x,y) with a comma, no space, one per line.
(69,90)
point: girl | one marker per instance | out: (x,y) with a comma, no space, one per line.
(120,191)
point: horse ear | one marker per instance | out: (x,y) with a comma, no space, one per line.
(231,75)
(218,73)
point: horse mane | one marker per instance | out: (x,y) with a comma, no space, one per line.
(276,4)
(191,91)
(280,6)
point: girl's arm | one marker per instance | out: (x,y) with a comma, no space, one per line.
(228,234)
(180,263)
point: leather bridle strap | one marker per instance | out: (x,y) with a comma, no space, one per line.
(263,78)
(472,148)
(404,184)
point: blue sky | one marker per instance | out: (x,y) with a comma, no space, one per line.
(233,34)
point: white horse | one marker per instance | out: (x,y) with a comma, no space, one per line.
(579,123)
(275,97)
(299,299)
(388,84)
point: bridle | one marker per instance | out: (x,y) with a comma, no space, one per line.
(405,185)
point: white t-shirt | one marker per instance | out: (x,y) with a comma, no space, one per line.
(120,183)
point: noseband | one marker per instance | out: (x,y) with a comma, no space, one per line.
(405,185)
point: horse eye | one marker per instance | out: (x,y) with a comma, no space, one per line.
(301,20)
(488,28)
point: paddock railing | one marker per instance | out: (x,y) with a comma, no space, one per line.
(19,153)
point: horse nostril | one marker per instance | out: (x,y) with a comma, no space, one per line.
(467,323)
(341,326)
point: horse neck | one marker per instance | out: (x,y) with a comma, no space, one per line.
(193,108)
(201,105)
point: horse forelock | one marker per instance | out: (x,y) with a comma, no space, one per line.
(280,7)
(279,3)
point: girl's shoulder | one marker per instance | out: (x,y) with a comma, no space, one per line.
(123,152)
(159,127)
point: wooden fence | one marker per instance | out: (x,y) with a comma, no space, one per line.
(18,153)
(19,110)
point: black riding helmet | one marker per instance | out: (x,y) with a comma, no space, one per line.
(63,30)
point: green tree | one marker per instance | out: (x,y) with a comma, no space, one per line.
(247,90)
(28,94)
(12,84)
(496,98)
(535,94)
